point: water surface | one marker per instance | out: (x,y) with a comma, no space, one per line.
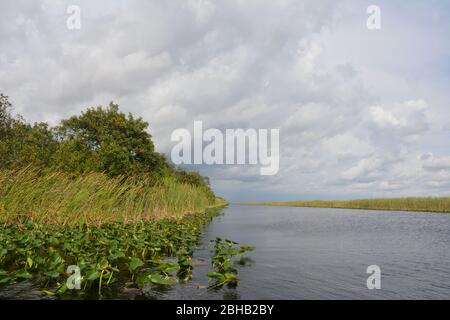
(315,253)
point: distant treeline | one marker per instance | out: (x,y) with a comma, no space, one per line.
(100,139)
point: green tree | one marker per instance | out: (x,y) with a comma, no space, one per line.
(191,177)
(22,144)
(6,120)
(106,140)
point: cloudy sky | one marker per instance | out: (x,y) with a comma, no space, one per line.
(361,112)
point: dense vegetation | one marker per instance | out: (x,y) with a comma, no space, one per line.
(93,193)
(46,196)
(430,204)
(111,256)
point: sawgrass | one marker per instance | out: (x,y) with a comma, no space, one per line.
(424,204)
(58,198)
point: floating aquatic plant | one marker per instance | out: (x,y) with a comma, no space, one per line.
(226,256)
(105,255)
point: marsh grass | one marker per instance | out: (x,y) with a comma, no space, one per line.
(92,199)
(424,204)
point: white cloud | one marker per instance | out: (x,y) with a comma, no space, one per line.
(366,170)
(354,108)
(431,163)
(407,118)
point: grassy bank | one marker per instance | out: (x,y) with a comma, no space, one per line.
(426,204)
(94,199)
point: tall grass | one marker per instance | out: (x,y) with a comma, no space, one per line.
(427,204)
(55,197)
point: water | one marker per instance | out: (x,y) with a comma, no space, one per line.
(315,253)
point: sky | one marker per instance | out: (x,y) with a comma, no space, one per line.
(361,113)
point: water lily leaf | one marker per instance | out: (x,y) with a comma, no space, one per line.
(170,269)
(158,279)
(143,279)
(155,278)
(22,275)
(116,255)
(231,277)
(215,275)
(91,275)
(135,263)
(5,279)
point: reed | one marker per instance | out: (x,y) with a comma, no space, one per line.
(38,196)
(424,204)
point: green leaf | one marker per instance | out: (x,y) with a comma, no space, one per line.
(231,277)
(5,279)
(216,275)
(62,288)
(155,278)
(158,279)
(91,275)
(29,262)
(135,263)
(22,275)
(143,279)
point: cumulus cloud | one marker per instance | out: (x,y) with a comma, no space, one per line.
(356,109)
(406,119)
(431,163)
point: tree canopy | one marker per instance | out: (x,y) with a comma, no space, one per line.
(109,141)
